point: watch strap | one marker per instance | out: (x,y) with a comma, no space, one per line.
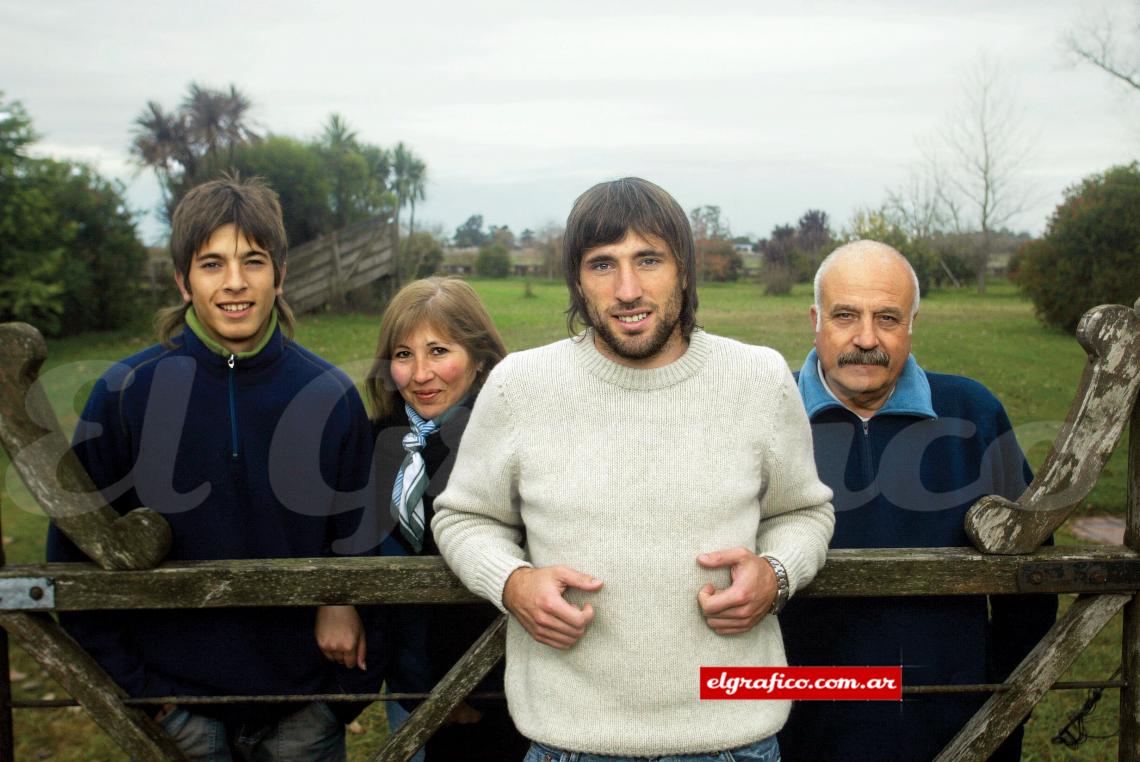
(783,587)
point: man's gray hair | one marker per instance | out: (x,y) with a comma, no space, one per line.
(862,246)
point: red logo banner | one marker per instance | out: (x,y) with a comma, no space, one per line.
(802,683)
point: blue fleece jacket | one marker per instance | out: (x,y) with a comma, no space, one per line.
(905,479)
(262,455)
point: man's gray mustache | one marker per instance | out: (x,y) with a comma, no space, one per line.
(865,357)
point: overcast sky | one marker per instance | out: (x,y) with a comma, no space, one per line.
(766,109)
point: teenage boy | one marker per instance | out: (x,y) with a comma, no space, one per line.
(251,447)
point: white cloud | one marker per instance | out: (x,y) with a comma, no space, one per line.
(760,107)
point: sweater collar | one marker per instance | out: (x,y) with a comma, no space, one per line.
(911,395)
(641,379)
(205,347)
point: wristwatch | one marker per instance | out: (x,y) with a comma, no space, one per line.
(783,589)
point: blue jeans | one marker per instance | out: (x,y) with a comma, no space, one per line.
(311,734)
(397,716)
(765,750)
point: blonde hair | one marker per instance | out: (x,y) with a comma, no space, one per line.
(448,305)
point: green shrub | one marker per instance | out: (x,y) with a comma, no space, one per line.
(778,279)
(1090,253)
(70,260)
(494,261)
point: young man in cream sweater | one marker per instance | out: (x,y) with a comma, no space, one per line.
(639,498)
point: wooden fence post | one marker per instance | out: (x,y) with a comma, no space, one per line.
(82,677)
(40,453)
(1129,750)
(1049,659)
(1110,334)
(7,747)
(429,716)
(336,282)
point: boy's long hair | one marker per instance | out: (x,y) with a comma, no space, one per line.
(249,205)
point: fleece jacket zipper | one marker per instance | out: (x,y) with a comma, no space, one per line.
(232,362)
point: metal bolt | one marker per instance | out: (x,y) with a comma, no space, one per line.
(1098,577)
(36,593)
(1036,578)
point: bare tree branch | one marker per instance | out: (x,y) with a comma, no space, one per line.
(1096,42)
(979,186)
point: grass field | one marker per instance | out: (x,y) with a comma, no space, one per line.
(993,338)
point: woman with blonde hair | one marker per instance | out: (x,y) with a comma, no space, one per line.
(436,347)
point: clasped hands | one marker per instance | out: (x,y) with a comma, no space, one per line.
(534,597)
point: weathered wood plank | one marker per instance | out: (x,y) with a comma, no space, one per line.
(377,580)
(88,684)
(453,688)
(1110,334)
(1041,667)
(41,455)
(323,270)
(336,283)
(7,739)
(1129,749)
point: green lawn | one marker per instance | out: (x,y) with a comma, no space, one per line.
(993,338)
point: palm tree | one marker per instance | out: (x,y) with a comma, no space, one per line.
(338,146)
(379,166)
(205,110)
(417,181)
(337,135)
(409,176)
(182,145)
(162,142)
(217,119)
(235,129)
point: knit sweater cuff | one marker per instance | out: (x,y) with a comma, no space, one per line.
(800,569)
(492,576)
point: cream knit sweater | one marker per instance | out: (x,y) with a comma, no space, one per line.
(628,475)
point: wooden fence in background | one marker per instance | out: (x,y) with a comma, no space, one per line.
(128,575)
(322,271)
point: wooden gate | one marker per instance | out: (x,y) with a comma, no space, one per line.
(128,573)
(322,271)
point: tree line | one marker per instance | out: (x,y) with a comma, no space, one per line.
(70,257)
(68,239)
(324,184)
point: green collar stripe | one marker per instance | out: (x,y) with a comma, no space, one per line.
(200,331)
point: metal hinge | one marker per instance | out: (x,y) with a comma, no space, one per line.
(1080,576)
(24,593)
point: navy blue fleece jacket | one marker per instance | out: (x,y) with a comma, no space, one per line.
(263,455)
(905,479)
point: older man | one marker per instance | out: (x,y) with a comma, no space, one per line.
(906,451)
(663,480)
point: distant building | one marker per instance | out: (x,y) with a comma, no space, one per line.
(462,262)
(527,262)
(459,261)
(753,263)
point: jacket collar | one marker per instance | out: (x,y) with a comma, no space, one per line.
(199,344)
(910,397)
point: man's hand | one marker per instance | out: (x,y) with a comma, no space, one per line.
(740,606)
(534,596)
(340,635)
